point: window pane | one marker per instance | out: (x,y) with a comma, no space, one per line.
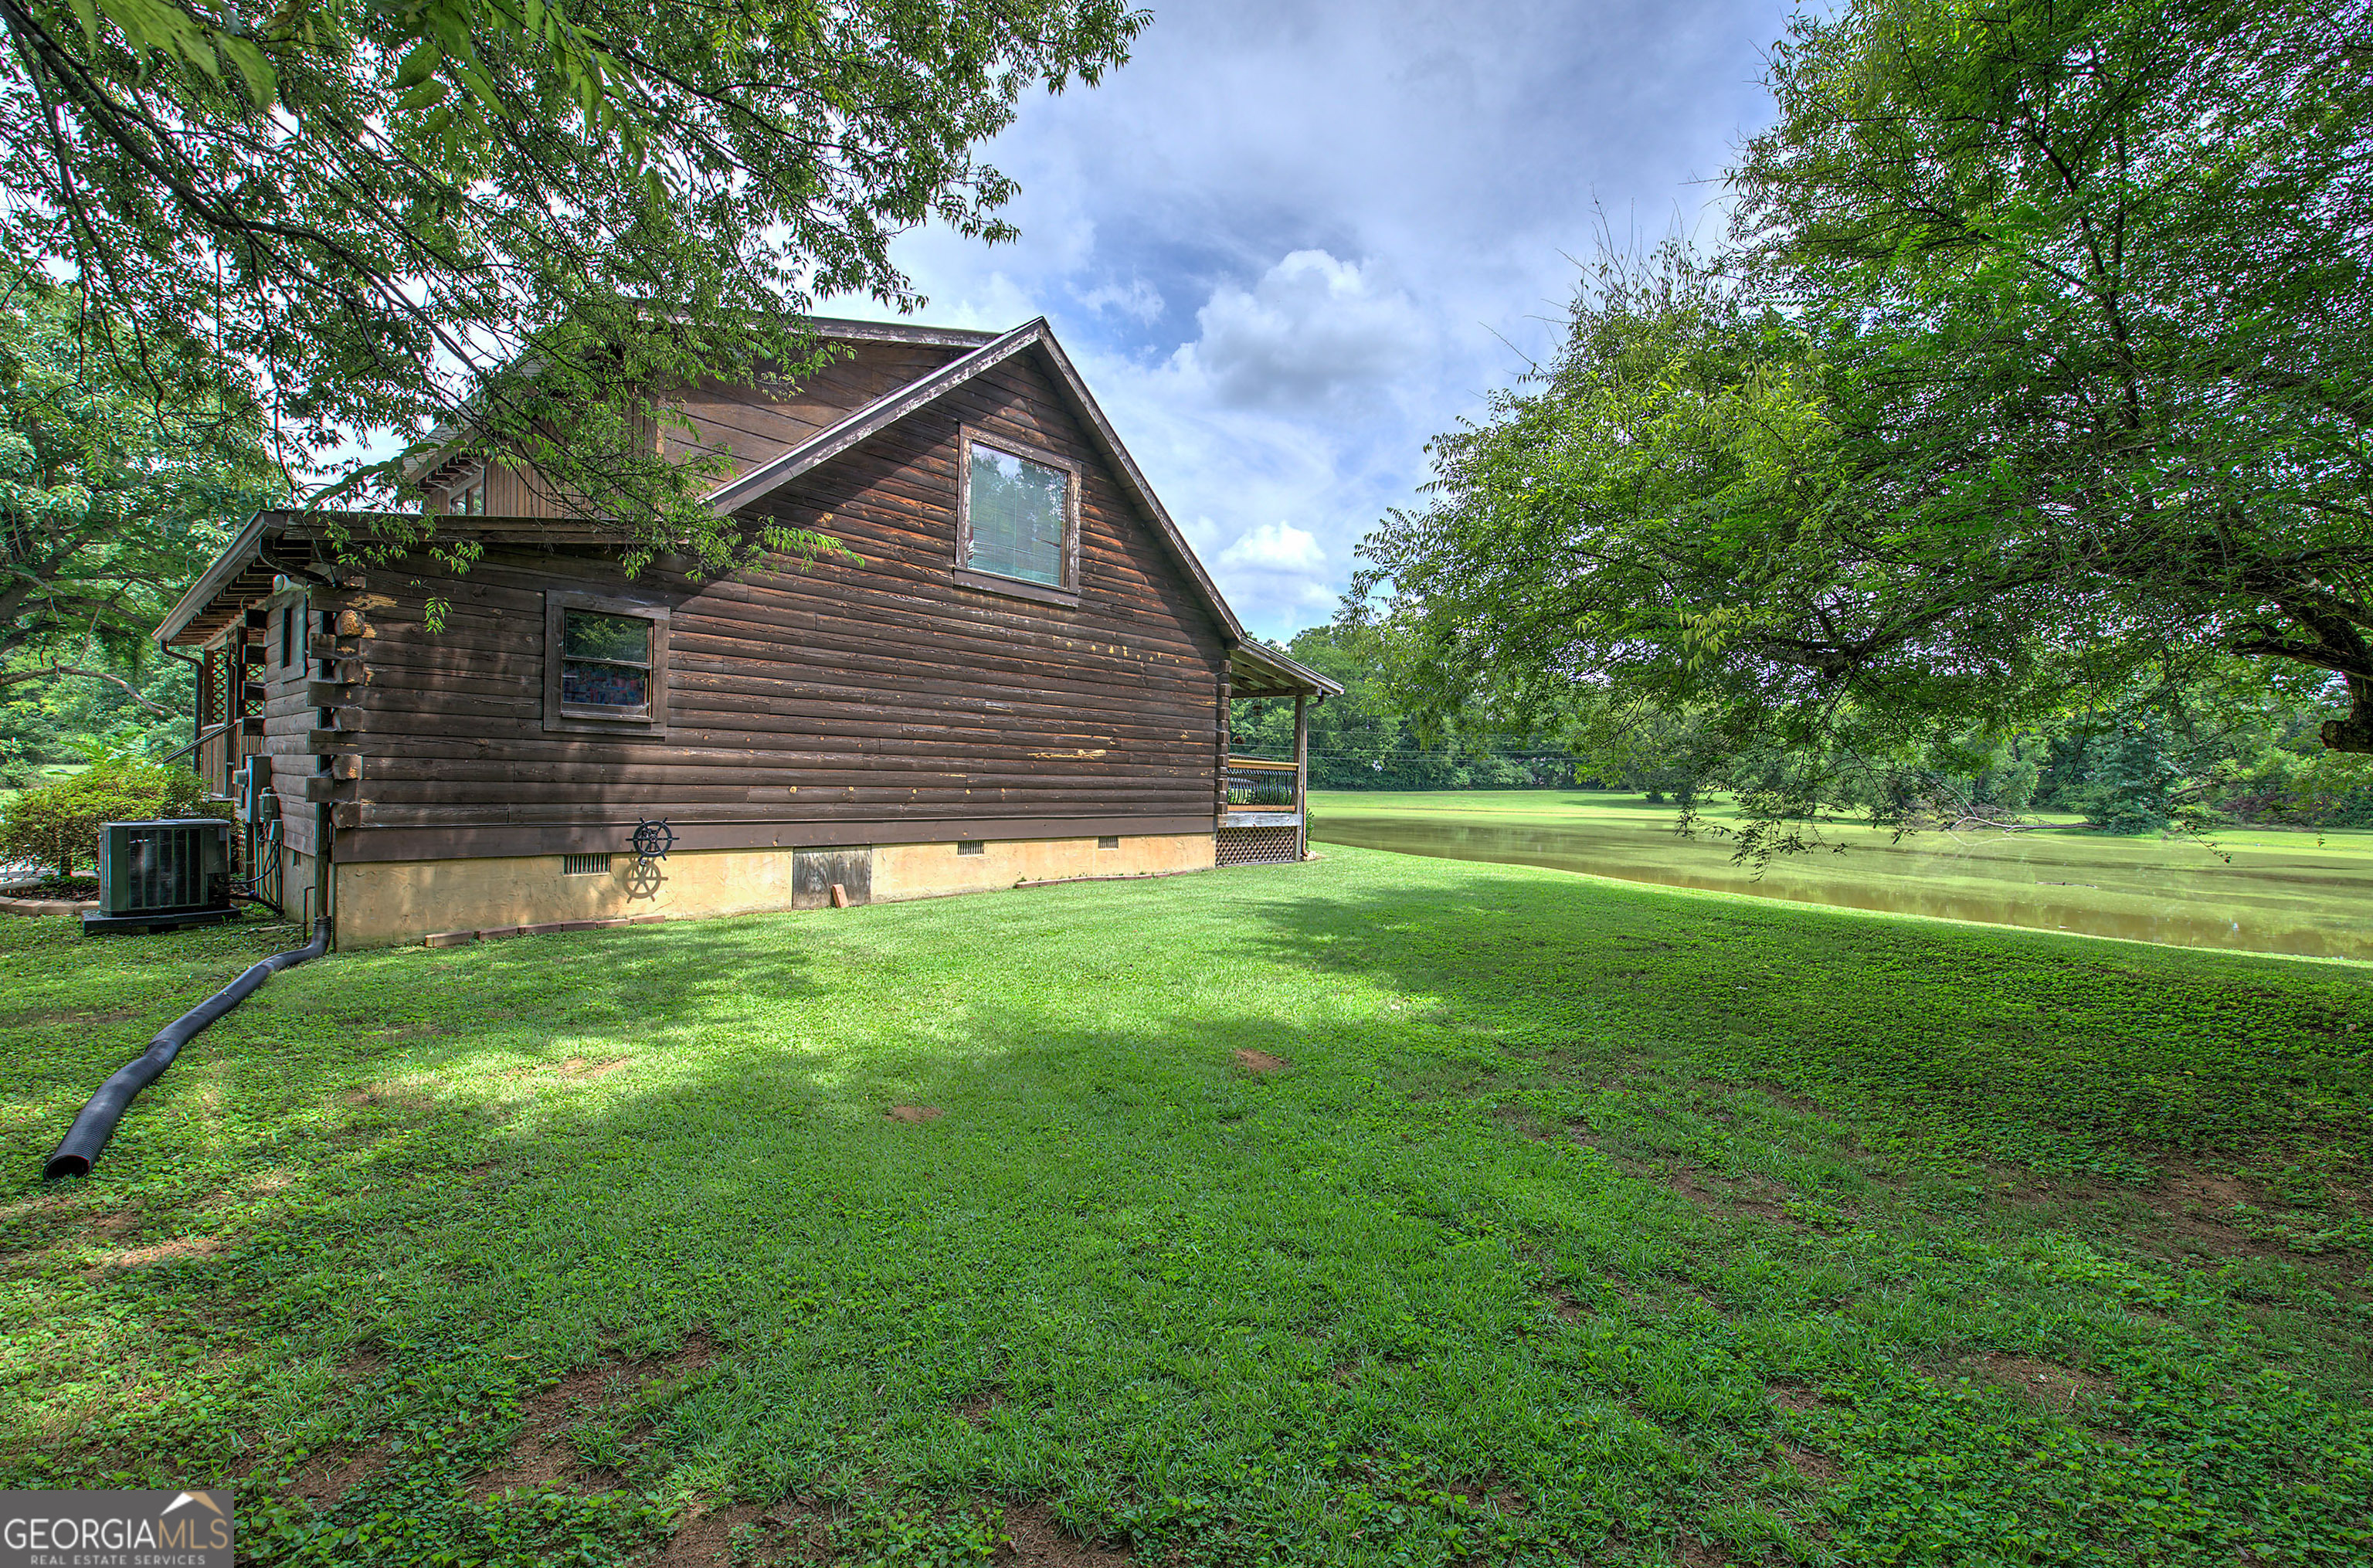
(585,683)
(1017,516)
(585,634)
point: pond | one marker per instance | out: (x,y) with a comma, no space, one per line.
(2262,890)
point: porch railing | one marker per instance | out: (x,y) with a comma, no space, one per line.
(1255,784)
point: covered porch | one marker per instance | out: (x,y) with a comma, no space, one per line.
(1264,800)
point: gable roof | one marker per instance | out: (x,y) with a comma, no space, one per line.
(247,560)
(433,455)
(892,406)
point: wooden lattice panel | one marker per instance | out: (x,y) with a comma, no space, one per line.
(1255,846)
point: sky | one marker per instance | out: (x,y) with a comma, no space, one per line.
(1293,240)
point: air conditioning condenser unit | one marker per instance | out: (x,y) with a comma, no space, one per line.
(156,874)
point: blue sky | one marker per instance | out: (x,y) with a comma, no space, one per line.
(1289,241)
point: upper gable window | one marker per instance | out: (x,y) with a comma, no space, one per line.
(468,497)
(1019,517)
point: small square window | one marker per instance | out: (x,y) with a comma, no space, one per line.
(605,664)
(1111,841)
(971,846)
(606,660)
(1017,519)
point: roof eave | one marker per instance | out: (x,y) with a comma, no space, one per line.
(873,417)
(246,545)
(892,406)
(431,452)
(1291,671)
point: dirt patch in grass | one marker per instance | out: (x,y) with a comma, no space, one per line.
(158,1252)
(2061,1389)
(1528,1122)
(2191,1204)
(914,1114)
(1260,1064)
(325,1480)
(114,1223)
(1626,1164)
(981,1405)
(705,1539)
(541,1455)
(417,1030)
(572,1067)
(1751,1200)
(2213,1214)
(1032,1537)
(1795,1397)
(1818,1468)
(68,1018)
(789,1531)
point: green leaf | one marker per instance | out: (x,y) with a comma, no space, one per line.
(418,64)
(255,71)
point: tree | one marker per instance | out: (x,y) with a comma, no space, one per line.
(517,223)
(2038,372)
(1629,549)
(2101,291)
(1362,740)
(119,478)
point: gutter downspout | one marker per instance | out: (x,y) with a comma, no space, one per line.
(324,836)
(197,708)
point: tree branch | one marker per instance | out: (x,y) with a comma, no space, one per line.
(18,677)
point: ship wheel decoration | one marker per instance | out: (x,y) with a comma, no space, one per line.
(653,840)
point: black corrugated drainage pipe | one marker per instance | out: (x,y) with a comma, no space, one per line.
(79,1150)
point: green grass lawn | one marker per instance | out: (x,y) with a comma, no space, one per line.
(1579,1223)
(2267,890)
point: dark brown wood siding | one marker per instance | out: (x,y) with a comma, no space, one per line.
(844,703)
(289,718)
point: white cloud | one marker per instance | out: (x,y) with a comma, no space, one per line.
(1274,547)
(1141,301)
(1310,326)
(1375,203)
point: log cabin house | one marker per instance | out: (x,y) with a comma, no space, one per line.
(1025,677)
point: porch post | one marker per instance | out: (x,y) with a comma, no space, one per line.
(1227,744)
(1301,778)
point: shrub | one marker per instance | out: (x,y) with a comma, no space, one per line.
(58,823)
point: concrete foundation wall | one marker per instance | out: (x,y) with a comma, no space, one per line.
(928,871)
(382,904)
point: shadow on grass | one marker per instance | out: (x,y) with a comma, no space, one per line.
(2079,1058)
(1298,1312)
